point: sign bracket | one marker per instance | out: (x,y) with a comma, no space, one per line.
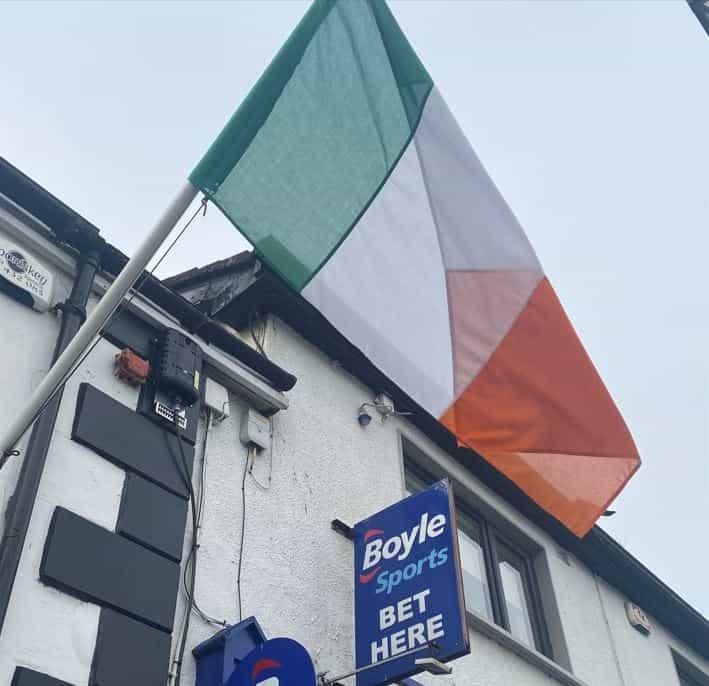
(334,681)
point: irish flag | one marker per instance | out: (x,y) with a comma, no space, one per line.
(349,175)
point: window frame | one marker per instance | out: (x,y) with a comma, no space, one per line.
(685,679)
(491,539)
(687,673)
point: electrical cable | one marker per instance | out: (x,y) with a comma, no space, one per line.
(200,511)
(191,561)
(188,484)
(259,343)
(135,289)
(258,483)
(263,487)
(203,471)
(243,530)
(192,556)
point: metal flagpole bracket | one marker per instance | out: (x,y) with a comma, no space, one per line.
(343,529)
(432,645)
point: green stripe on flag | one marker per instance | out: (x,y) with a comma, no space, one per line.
(311,145)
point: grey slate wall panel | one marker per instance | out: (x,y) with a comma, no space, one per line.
(129,653)
(152,516)
(28,677)
(89,562)
(126,330)
(129,439)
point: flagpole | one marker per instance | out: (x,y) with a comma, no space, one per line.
(110,301)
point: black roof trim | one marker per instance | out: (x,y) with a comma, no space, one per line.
(199,274)
(71,230)
(266,292)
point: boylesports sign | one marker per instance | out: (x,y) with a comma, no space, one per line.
(408,589)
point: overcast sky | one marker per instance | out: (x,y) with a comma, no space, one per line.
(591,117)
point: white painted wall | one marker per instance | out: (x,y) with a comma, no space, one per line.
(27,342)
(297,572)
(45,629)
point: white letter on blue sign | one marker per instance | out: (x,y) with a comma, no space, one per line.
(380,652)
(435,627)
(420,598)
(436,526)
(371,553)
(387,617)
(398,642)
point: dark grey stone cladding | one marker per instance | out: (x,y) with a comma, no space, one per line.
(94,564)
(128,652)
(132,573)
(28,677)
(152,516)
(129,440)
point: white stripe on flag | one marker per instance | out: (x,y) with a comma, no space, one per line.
(385,289)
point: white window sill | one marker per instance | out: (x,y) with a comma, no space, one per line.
(507,640)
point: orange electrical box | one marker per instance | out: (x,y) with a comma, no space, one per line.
(131,368)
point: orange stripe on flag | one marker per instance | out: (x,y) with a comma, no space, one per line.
(539,412)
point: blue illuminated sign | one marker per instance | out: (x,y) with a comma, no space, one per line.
(408,589)
(276,662)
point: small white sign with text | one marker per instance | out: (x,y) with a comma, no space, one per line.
(22,270)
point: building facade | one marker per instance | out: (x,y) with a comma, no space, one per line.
(98,595)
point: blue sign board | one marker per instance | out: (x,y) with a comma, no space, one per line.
(276,662)
(408,589)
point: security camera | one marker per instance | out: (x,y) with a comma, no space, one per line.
(363,417)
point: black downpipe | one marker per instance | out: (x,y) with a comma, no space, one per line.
(21,504)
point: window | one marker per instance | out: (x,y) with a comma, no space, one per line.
(498,578)
(686,680)
(688,674)
(472,562)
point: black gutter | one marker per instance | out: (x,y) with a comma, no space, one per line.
(21,504)
(196,322)
(70,229)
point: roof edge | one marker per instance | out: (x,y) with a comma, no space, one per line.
(69,228)
(599,551)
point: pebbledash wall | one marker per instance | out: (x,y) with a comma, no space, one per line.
(45,627)
(296,571)
(94,599)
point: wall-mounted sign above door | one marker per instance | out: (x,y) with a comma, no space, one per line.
(23,277)
(408,592)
